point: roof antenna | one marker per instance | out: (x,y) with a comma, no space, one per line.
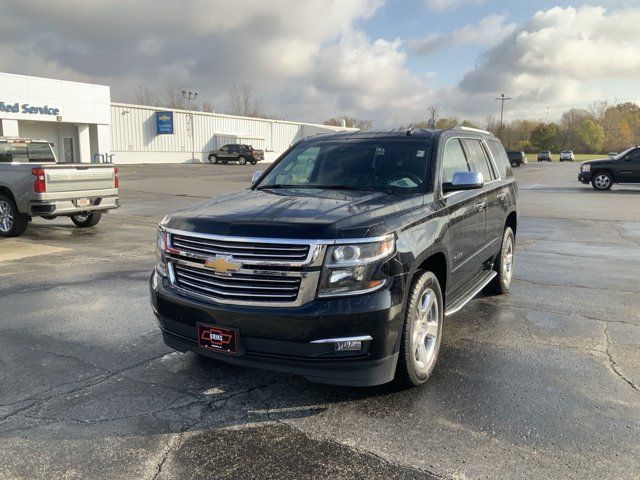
(410,130)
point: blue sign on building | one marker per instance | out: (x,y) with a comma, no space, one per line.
(164,123)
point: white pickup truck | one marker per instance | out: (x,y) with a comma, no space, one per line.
(33,184)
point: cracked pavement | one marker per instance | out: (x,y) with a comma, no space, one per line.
(540,383)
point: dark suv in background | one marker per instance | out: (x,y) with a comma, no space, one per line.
(343,258)
(517,158)
(235,152)
(602,174)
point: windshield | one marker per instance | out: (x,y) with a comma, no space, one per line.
(621,155)
(392,166)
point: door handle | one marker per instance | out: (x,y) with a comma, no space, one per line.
(480,206)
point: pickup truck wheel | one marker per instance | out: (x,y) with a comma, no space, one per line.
(602,181)
(503,265)
(213,159)
(242,160)
(514,164)
(422,331)
(86,219)
(12,222)
(253,162)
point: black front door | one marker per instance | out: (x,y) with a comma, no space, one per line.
(629,168)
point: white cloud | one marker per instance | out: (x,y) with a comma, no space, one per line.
(489,31)
(442,5)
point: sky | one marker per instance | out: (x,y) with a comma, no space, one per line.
(309,60)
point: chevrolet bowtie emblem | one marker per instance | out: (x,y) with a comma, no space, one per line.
(222,265)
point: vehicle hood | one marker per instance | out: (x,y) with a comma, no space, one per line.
(598,161)
(293,213)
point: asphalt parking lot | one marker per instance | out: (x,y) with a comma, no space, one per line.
(541,383)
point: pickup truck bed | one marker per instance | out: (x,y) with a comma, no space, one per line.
(33,184)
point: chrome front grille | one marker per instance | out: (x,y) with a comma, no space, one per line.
(245,287)
(244,271)
(243,249)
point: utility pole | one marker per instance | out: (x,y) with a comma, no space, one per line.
(433,112)
(502,99)
(189,95)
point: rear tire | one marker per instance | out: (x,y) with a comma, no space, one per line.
(242,160)
(503,265)
(12,222)
(602,181)
(422,331)
(86,219)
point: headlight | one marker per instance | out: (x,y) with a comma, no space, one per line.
(353,269)
(585,168)
(161,248)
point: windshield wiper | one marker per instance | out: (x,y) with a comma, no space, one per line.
(277,185)
(346,187)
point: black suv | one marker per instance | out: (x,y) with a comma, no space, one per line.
(602,174)
(236,152)
(517,158)
(342,259)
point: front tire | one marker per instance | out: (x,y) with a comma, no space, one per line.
(213,159)
(504,264)
(602,181)
(86,219)
(422,331)
(12,222)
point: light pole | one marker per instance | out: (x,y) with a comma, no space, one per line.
(189,95)
(502,99)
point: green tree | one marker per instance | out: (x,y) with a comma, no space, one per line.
(591,136)
(544,136)
(445,123)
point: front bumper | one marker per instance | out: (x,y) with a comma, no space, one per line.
(584,177)
(279,338)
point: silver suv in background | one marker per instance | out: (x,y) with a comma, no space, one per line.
(567,156)
(33,184)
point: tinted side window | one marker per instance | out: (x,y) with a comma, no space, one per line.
(501,159)
(478,158)
(635,155)
(453,160)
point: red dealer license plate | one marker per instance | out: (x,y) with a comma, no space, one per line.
(224,340)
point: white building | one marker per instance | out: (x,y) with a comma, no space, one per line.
(83,125)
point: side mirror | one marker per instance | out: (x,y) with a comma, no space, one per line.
(256,176)
(464,181)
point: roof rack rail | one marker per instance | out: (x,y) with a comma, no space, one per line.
(470,129)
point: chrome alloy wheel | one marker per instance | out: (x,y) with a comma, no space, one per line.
(507,261)
(425,331)
(602,181)
(6,217)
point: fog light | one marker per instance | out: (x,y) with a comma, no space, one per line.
(348,346)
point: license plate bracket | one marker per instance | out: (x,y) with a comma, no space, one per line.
(83,202)
(219,339)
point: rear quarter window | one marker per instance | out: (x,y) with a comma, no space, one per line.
(500,158)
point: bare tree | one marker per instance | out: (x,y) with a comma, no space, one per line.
(144,96)
(173,97)
(433,112)
(349,122)
(207,107)
(243,102)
